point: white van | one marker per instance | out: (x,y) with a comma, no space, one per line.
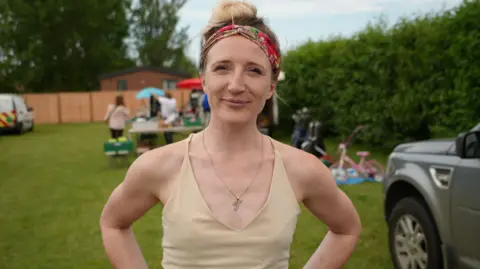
(15,116)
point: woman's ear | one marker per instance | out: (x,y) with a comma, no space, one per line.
(204,84)
(271,90)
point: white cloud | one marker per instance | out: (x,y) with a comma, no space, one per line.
(195,14)
(291,9)
(327,15)
(284,9)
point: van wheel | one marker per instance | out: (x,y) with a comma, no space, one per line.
(19,128)
(413,238)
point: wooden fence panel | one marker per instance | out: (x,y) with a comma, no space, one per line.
(45,107)
(87,106)
(178,96)
(100,103)
(75,107)
(182,97)
(132,102)
(186,98)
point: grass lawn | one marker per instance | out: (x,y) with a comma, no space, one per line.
(56,180)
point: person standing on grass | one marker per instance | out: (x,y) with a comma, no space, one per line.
(168,106)
(195,101)
(116,117)
(206,109)
(230,194)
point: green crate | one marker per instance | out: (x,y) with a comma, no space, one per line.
(117,147)
(187,121)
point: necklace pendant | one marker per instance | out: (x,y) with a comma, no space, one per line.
(236,204)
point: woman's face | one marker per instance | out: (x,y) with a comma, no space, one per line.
(237,80)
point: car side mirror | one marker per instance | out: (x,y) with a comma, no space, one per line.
(467,145)
(29,109)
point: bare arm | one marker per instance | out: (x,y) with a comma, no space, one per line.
(128,202)
(109,110)
(126,112)
(159,98)
(329,204)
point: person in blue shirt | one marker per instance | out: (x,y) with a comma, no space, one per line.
(206,109)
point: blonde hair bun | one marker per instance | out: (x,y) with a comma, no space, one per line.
(229,10)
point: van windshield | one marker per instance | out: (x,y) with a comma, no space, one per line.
(6,104)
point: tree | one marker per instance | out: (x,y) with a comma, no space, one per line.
(54,45)
(157,39)
(412,81)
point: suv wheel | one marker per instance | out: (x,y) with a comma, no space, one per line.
(413,239)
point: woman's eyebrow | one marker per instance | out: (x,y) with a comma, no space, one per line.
(222,62)
(227,61)
(255,63)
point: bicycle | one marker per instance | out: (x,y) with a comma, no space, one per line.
(299,135)
(369,169)
(315,144)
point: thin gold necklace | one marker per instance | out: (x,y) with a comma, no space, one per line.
(238,201)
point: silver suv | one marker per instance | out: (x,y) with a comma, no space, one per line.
(432,203)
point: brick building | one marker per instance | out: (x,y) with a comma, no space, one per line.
(140,77)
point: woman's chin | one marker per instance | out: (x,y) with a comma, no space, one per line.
(236,118)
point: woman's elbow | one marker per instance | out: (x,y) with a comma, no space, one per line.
(356,228)
(104,223)
(352,227)
(108,222)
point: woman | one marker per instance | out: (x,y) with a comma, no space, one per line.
(230,194)
(116,117)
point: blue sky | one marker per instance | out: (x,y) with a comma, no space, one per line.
(296,21)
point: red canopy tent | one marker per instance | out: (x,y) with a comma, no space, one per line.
(191,83)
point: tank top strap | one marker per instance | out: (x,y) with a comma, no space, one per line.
(189,139)
(186,159)
(183,178)
(281,180)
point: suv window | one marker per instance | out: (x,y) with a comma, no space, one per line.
(6,104)
(472,145)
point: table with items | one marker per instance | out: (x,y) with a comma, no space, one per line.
(146,131)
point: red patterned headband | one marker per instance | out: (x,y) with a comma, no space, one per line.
(253,34)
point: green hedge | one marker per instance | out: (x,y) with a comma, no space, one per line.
(411,81)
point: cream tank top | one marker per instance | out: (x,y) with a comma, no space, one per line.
(194,238)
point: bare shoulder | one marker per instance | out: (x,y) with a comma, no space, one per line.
(148,181)
(305,170)
(320,193)
(163,159)
(158,167)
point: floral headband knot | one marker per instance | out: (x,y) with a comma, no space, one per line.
(253,34)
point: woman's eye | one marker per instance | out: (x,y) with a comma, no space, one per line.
(256,70)
(219,67)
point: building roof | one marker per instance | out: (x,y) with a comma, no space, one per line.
(146,68)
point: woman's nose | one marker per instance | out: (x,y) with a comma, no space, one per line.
(237,82)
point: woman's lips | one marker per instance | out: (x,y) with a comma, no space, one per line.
(236,102)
